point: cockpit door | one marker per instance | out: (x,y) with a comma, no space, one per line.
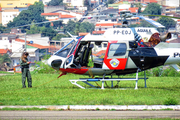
(116,55)
(69,61)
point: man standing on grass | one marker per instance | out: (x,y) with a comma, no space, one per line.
(25,70)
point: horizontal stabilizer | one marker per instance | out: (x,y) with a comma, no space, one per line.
(176,67)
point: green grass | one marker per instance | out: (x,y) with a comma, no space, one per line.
(62,92)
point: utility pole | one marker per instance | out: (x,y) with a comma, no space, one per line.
(25,43)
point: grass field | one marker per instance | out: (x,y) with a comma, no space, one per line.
(61,92)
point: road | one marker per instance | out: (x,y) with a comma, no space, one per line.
(87,114)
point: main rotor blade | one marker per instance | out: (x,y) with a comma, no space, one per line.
(43,22)
(152,22)
(164,16)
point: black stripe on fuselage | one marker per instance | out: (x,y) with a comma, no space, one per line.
(144,58)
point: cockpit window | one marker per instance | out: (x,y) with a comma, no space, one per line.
(117,49)
(63,52)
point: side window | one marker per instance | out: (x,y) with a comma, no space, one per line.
(117,49)
(63,52)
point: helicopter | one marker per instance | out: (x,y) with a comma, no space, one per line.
(118,51)
(125,51)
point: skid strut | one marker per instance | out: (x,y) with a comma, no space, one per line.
(103,80)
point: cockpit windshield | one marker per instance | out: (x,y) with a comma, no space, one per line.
(63,52)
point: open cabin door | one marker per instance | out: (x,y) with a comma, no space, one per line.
(116,55)
(69,61)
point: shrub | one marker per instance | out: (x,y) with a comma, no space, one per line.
(41,67)
(157,71)
(171,101)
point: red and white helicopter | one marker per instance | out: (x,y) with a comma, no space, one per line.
(125,51)
(118,51)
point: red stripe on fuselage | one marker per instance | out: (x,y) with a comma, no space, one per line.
(73,70)
(122,61)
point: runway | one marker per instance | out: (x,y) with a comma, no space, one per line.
(87,114)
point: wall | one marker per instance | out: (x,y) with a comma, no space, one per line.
(9,15)
(173,3)
(16,3)
(77,3)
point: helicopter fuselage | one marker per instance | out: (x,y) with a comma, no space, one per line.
(122,53)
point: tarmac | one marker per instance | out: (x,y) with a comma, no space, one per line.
(92,112)
(102,107)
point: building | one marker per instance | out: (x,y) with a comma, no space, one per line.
(78,3)
(62,14)
(36,51)
(170,3)
(6,40)
(5,51)
(8,15)
(16,3)
(105,26)
(49,9)
(45,2)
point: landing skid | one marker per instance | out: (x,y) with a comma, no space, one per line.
(103,80)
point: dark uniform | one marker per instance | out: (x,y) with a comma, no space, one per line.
(26,73)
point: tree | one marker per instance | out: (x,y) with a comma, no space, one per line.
(55,3)
(70,27)
(59,36)
(153,9)
(33,29)
(4,59)
(57,24)
(139,5)
(167,22)
(76,27)
(32,14)
(48,32)
(86,27)
(2,28)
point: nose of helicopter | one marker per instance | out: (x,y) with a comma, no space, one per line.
(54,62)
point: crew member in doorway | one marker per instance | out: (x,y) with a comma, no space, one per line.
(25,70)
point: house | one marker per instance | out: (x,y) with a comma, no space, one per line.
(8,15)
(6,40)
(56,16)
(16,3)
(5,51)
(170,3)
(77,3)
(45,2)
(49,9)
(36,38)
(105,26)
(36,52)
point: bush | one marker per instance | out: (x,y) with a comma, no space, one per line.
(171,101)
(157,71)
(41,67)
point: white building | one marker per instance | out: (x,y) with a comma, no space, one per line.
(62,14)
(37,39)
(8,15)
(78,3)
(172,3)
(45,2)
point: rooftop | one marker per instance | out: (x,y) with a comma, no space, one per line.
(4,51)
(33,45)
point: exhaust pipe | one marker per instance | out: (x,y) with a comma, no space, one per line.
(163,38)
